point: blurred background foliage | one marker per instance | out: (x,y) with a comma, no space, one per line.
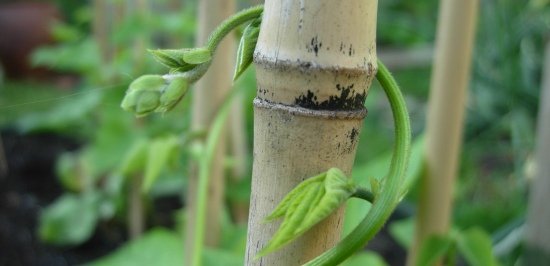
(71,151)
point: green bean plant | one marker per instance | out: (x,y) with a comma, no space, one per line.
(312,200)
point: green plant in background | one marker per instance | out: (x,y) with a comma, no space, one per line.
(118,151)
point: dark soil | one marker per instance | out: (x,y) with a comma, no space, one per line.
(29,185)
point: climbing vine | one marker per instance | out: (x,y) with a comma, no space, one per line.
(315,198)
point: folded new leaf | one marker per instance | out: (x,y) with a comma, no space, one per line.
(197,55)
(182,59)
(306,205)
(246,47)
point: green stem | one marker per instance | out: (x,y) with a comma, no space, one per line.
(384,205)
(231,23)
(216,37)
(204,175)
(363,193)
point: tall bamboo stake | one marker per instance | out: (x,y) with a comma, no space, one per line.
(100,29)
(450,77)
(209,94)
(315,61)
(240,153)
(538,218)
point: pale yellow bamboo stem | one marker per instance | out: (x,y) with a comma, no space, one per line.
(207,97)
(240,154)
(315,61)
(136,214)
(139,8)
(100,29)
(450,78)
(538,218)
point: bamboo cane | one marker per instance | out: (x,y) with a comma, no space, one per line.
(209,94)
(315,61)
(538,218)
(451,74)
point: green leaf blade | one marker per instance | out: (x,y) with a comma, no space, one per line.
(159,154)
(169,57)
(476,247)
(197,56)
(287,200)
(433,249)
(247,45)
(309,203)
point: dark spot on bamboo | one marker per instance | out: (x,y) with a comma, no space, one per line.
(351,50)
(353,134)
(314,46)
(347,100)
(305,64)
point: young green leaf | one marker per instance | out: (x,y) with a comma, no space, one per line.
(135,158)
(160,151)
(296,212)
(476,247)
(197,56)
(172,58)
(169,57)
(70,220)
(68,170)
(433,249)
(338,188)
(281,209)
(246,47)
(306,205)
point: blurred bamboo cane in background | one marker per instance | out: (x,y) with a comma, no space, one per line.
(446,107)
(208,95)
(538,216)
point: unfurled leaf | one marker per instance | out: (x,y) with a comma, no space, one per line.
(67,169)
(365,258)
(160,151)
(433,249)
(476,247)
(246,47)
(308,204)
(135,158)
(197,56)
(403,231)
(285,203)
(337,189)
(157,246)
(70,220)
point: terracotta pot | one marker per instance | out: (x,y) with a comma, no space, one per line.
(23,27)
